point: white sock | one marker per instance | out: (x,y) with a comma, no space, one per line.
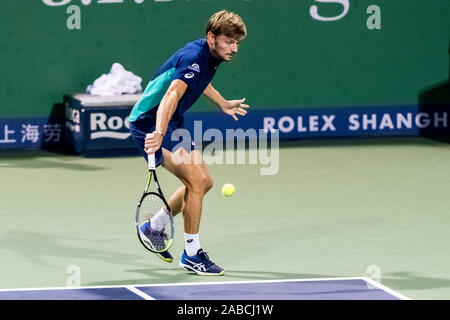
(192,243)
(160,219)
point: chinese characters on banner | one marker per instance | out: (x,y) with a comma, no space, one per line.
(16,134)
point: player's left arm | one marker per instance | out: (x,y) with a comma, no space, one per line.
(230,107)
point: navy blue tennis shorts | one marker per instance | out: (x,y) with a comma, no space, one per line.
(176,137)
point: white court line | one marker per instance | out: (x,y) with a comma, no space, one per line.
(139,293)
(386,289)
(181,284)
(370,281)
(247,282)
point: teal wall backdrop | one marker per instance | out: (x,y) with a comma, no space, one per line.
(289,60)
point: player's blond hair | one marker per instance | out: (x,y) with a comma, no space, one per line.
(227,23)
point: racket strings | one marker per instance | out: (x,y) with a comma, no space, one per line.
(150,206)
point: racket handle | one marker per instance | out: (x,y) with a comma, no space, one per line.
(151,159)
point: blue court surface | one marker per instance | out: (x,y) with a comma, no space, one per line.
(292,289)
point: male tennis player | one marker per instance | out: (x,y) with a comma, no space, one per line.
(175,87)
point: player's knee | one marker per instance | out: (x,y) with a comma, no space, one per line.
(208,183)
(201,183)
(204,183)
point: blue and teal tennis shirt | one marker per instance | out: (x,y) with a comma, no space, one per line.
(192,64)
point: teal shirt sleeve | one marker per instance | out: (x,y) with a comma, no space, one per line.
(153,94)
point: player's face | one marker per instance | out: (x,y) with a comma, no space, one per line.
(223,47)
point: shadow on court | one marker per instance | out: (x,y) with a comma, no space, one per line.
(407,280)
(174,274)
(402,280)
(369,142)
(40,248)
(43,160)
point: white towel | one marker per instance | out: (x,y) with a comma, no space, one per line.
(117,81)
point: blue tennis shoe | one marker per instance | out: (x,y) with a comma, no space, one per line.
(156,239)
(200,264)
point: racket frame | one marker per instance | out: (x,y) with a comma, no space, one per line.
(152,174)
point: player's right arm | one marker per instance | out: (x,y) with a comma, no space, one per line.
(166,109)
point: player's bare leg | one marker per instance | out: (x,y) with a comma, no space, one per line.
(192,171)
(176,201)
(188,199)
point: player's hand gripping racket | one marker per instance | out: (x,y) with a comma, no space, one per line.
(156,236)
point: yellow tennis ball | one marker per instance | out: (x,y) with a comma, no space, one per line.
(228,189)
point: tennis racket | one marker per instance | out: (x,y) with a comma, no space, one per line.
(149,205)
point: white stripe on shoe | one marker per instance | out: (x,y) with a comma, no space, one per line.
(200,273)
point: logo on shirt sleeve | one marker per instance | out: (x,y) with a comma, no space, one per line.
(189,75)
(195,67)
